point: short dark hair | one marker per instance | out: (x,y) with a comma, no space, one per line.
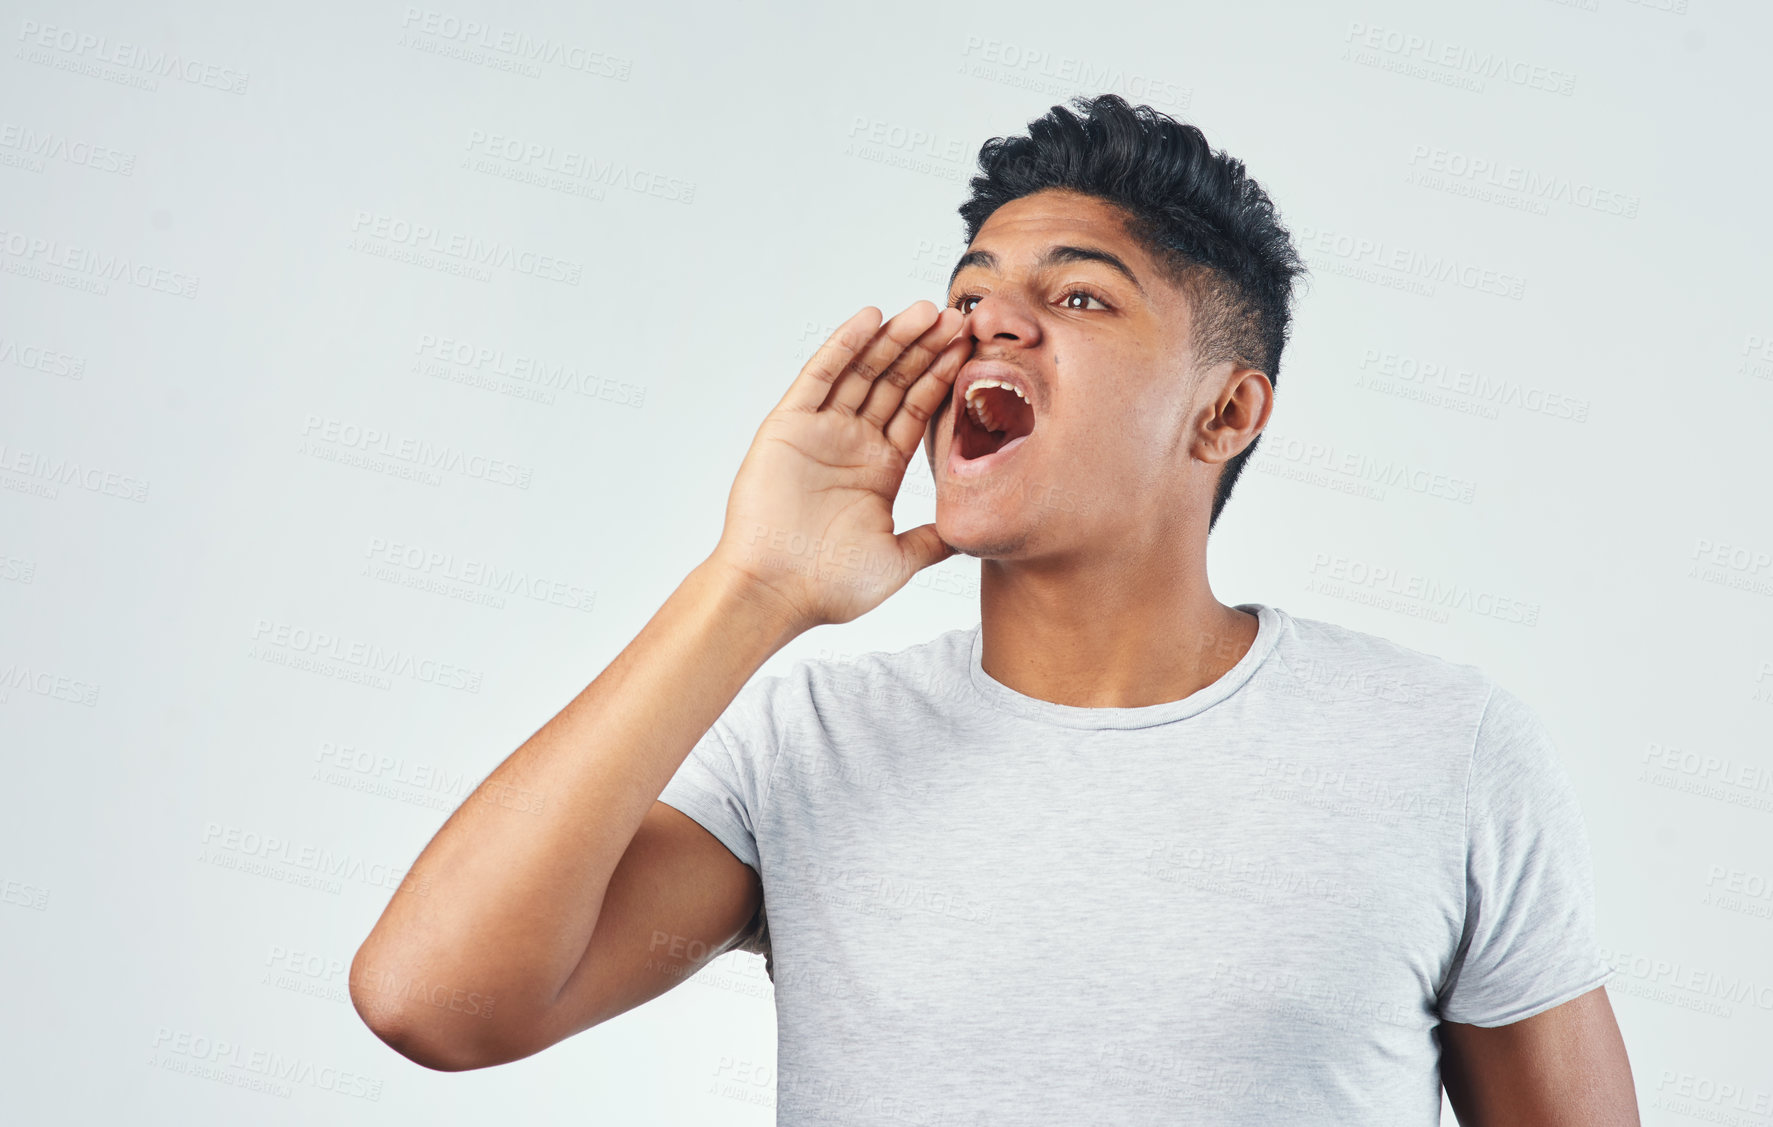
(1198,213)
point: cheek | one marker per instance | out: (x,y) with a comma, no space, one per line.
(1114,424)
(938,426)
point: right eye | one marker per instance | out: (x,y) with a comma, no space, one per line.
(961,302)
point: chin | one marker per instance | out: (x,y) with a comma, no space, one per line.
(978,532)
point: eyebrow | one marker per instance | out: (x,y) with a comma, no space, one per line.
(1053,257)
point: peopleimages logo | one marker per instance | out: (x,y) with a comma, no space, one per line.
(488,363)
(1372,45)
(44,683)
(342,434)
(91,266)
(284,642)
(50,472)
(1407,262)
(78,50)
(49,361)
(34,148)
(423,238)
(230,846)
(227,1061)
(1539,187)
(1489,392)
(1347,573)
(1281,452)
(1030,68)
(425,568)
(582,166)
(514,44)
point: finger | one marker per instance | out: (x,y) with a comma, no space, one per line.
(922,547)
(814,382)
(893,338)
(927,396)
(889,390)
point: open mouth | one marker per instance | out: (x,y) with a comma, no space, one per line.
(993,416)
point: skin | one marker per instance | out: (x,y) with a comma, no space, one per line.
(1089,609)
(523,923)
(591,897)
(1566,1065)
(1099,598)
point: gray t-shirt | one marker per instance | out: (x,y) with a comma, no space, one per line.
(1249,906)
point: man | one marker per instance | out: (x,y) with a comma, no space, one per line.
(1121,853)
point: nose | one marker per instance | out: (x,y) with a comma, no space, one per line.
(1003,317)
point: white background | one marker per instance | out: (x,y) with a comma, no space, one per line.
(1566,486)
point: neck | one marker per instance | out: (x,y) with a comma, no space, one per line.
(1108,632)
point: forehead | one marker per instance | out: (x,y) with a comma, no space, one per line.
(1031,223)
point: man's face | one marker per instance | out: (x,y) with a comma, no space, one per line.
(1099,452)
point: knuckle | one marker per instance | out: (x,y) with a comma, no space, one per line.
(836,354)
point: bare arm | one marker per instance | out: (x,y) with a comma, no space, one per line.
(534,911)
(512,888)
(1565,1067)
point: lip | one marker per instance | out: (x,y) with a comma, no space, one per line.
(970,373)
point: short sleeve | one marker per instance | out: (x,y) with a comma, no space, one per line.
(1528,941)
(723,783)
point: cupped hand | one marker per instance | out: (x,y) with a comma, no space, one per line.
(809,521)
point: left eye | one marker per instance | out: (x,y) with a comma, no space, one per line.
(1075,296)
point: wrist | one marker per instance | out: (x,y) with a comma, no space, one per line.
(744,601)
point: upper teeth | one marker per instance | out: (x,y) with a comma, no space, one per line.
(979,384)
(980,413)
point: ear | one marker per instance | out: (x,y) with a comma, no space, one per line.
(1240,413)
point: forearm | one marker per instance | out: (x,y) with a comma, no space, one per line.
(503,901)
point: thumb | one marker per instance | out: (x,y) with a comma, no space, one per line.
(922,547)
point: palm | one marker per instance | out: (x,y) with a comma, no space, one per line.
(814,505)
(810,515)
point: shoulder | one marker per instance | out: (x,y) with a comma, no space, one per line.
(933,670)
(1503,744)
(828,688)
(1515,754)
(1332,662)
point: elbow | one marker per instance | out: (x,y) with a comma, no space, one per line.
(445,1038)
(440,1054)
(427,1042)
